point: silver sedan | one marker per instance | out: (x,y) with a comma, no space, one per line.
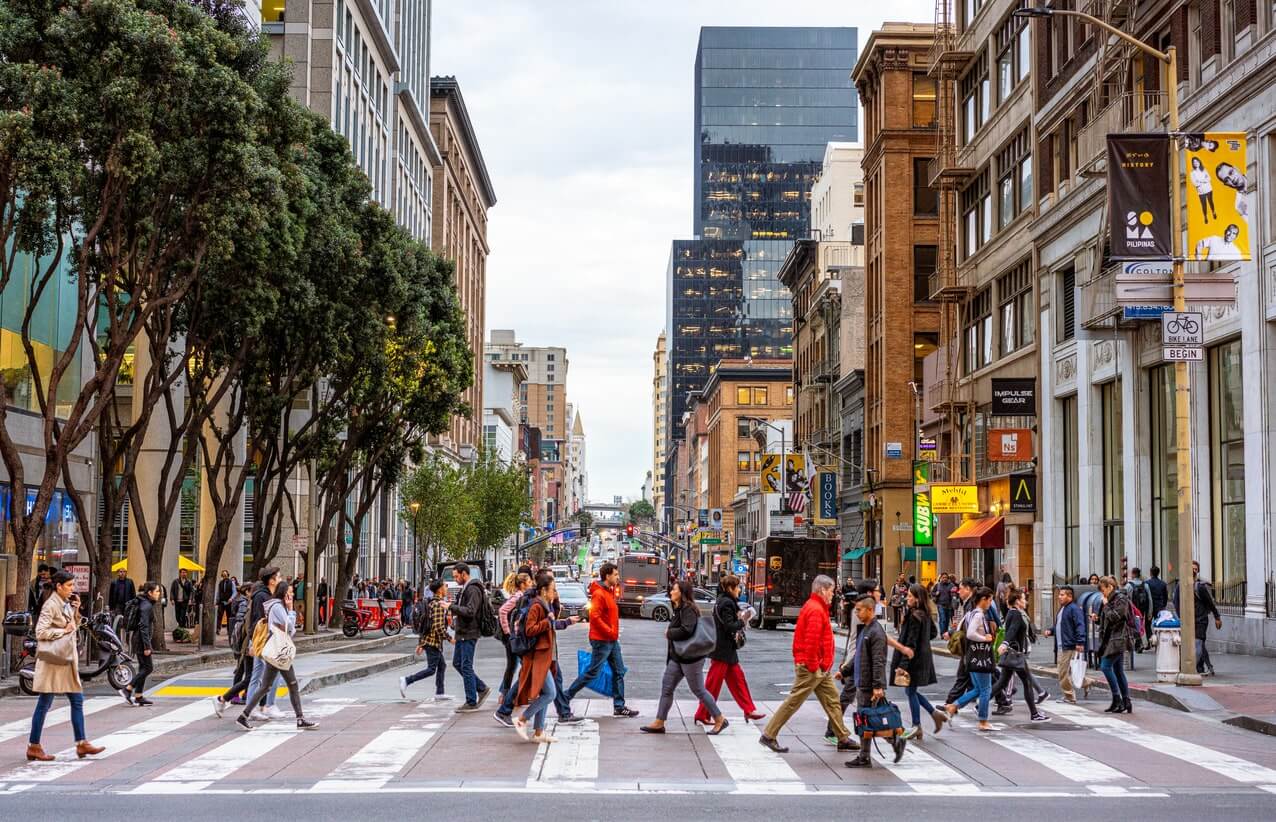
(658,607)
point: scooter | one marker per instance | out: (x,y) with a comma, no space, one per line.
(111,658)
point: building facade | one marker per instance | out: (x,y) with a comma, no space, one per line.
(659,430)
(502,408)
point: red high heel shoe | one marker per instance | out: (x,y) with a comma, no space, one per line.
(754,717)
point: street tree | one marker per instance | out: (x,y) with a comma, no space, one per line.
(641,512)
(498,493)
(585,520)
(443,512)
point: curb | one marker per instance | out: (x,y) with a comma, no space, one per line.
(337,678)
(1252,723)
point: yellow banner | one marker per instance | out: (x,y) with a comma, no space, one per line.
(1218,207)
(954,499)
(795,474)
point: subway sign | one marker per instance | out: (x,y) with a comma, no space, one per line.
(923,521)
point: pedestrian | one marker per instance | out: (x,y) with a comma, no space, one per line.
(466,609)
(321,601)
(536,689)
(1159,590)
(121,594)
(516,585)
(978,662)
(919,669)
(180,594)
(899,593)
(1069,639)
(944,590)
(682,626)
(604,640)
(433,635)
(281,616)
(239,637)
(724,662)
(142,642)
(1013,652)
(299,594)
(36,595)
(225,593)
(813,670)
(1114,641)
(1204,608)
(55,631)
(262,596)
(1003,588)
(869,675)
(1094,580)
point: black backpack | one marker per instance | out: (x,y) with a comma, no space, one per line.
(520,643)
(421,618)
(133,614)
(488,625)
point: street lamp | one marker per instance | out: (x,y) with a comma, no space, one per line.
(686,511)
(1182,417)
(416,574)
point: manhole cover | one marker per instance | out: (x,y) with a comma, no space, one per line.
(1052,726)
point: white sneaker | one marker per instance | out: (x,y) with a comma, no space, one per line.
(443,698)
(273,712)
(219,707)
(403,687)
(260,715)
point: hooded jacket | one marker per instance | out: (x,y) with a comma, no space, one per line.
(604,613)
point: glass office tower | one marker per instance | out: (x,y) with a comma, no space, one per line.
(768,100)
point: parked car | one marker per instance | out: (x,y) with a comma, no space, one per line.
(574,600)
(658,607)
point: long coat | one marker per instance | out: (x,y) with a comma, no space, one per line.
(726,619)
(1114,634)
(916,633)
(538,663)
(57,617)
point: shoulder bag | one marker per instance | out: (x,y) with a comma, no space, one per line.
(882,720)
(60,651)
(279,651)
(261,633)
(700,644)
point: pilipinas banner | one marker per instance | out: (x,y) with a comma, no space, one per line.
(1218,207)
(1139,196)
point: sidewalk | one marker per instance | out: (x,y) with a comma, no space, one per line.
(315,670)
(1242,694)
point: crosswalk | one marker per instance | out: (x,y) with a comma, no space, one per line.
(407,747)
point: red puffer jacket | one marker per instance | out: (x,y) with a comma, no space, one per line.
(813,638)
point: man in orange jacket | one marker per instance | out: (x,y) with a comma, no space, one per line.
(813,663)
(604,640)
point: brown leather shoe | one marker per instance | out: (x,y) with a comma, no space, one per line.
(86,748)
(35,753)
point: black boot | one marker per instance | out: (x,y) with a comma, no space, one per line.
(1126,706)
(1115,707)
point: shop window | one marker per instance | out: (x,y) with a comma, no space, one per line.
(1071,488)
(1164,464)
(1227,440)
(923,100)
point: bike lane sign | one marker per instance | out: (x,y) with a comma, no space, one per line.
(1182,329)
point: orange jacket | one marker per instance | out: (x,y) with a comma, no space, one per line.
(813,636)
(604,613)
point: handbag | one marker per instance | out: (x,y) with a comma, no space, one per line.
(700,644)
(881,720)
(261,633)
(60,651)
(279,651)
(1077,670)
(903,678)
(979,657)
(1014,660)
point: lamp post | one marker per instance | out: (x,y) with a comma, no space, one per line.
(1182,418)
(686,511)
(416,573)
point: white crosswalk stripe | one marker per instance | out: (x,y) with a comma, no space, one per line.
(376,763)
(753,768)
(572,761)
(12,730)
(1067,763)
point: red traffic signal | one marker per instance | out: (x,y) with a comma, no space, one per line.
(629,530)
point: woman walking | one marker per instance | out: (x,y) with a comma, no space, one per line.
(978,658)
(682,625)
(536,688)
(237,630)
(1014,653)
(1114,641)
(724,662)
(515,586)
(915,634)
(57,668)
(899,595)
(280,616)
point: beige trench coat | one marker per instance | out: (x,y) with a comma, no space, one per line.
(56,618)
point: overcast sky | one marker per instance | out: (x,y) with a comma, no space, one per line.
(583,110)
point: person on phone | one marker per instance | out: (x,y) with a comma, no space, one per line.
(1114,641)
(57,668)
(143,644)
(916,633)
(281,615)
(869,675)
(682,625)
(433,635)
(724,662)
(977,629)
(239,636)
(1014,652)
(262,595)
(536,688)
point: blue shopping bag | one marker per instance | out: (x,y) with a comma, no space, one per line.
(600,684)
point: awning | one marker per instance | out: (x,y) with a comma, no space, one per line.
(856,553)
(986,532)
(183,564)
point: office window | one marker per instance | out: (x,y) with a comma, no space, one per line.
(1067,314)
(1113,477)
(1227,433)
(1014,179)
(549,357)
(977,331)
(925,198)
(788,395)
(1013,57)
(976,214)
(742,429)
(742,396)
(743,459)
(923,267)
(975,98)
(1014,291)
(1071,488)
(923,100)
(1164,465)
(759,396)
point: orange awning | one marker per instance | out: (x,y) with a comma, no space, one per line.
(987,532)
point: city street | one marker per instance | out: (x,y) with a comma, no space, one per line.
(371,741)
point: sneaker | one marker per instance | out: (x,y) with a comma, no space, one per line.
(260,715)
(503,720)
(570,719)
(141,701)
(1042,697)
(467,708)
(239,700)
(304,724)
(482,697)
(243,723)
(848,745)
(273,712)
(403,687)
(1040,717)
(126,693)
(830,739)
(912,732)
(544,738)
(520,728)
(442,698)
(219,707)
(625,713)
(1003,710)
(859,763)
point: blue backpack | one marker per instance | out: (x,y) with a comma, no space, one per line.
(520,643)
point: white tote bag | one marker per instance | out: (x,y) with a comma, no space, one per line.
(1078,671)
(279,651)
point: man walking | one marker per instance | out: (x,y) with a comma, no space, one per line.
(180,593)
(869,675)
(121,594)
(433,635)
(813,669)
(257,612)
(944,601)
(1205,607)
(1141,597)
(225,593)
(1069,639)
(604,640)
(467,609)
(142,641)
(1160,592)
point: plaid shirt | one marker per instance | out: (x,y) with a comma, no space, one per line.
(436,620)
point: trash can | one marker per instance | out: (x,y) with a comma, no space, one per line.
(1167,636)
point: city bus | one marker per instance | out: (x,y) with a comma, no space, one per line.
(641,575)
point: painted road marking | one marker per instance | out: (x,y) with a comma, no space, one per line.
(926,774)
(753,768)
(1063,761)
(22,727)
(572,760)
(376,763)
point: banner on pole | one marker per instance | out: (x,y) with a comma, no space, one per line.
(1218,207)
(825,507)
(1139,196)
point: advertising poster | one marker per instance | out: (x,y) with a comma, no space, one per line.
(1139,196)
(1218,207)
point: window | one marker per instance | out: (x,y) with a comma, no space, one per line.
(977,331)
(549,357)
(743,460)
(1113,477)
(788,395)
(1067,314)
(923,268)
(1014,290)
(742,429)
(742,396)
(1227,433)
(1071,488)
(858,196)
(974,98)
(759,396)
(1013,56)
(925,198)
(1014,179)
(1164,463)
(976,214)
(923,100)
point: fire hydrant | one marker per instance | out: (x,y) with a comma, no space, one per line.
(1167,637)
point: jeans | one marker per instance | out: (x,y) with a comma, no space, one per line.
(463,662)
(536,710)
(916,701)
(693,672)
(945,617)
(42,705)
(1113,668)
(604,651)
(981,689)
(259,672)
(268,686)
(435,668)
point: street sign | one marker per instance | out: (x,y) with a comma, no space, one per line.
(1144,312)
(1023,493)
(740,568)
(711,541)
(894,450)
(1182,328)
(1184,354)
(902,526)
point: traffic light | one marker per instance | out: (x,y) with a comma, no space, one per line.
(630,530)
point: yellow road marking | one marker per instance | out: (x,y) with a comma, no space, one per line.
(201,690)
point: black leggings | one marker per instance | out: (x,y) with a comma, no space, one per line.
(268,682)
(243,676)
(1208,197)
(511,665)
(1029,687)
